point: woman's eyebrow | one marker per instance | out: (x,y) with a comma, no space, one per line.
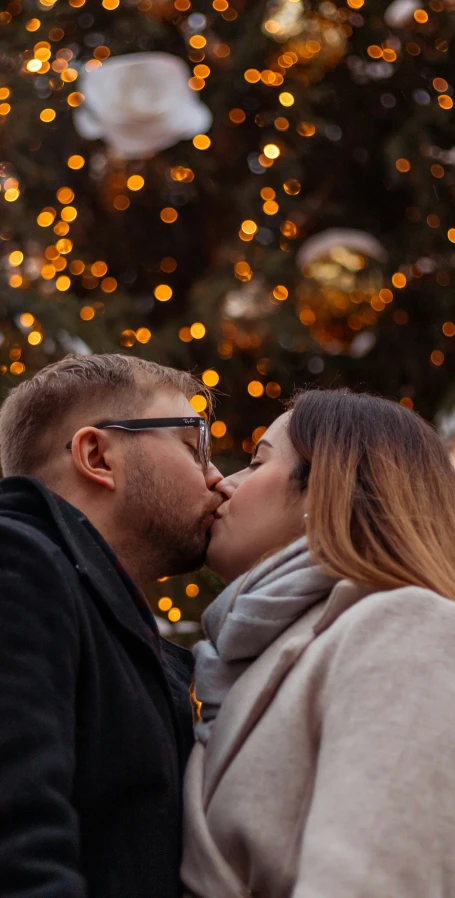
(261,443)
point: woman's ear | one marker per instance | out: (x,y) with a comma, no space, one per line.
(93,456)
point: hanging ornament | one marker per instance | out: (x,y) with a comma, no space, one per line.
(320,44)
(283,19)
(341,292)
(340,240)
(140,104)
(400,13)
(445,423)
(251,301)
(362,344)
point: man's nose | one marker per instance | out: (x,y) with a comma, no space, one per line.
(212,476)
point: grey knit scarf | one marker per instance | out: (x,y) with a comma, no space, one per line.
(247,617)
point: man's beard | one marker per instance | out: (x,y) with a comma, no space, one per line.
(160,536)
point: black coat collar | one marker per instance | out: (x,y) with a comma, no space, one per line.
(26,499)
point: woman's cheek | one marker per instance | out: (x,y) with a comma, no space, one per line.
(248,496)
(252,507)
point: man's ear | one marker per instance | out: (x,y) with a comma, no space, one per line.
(93,456)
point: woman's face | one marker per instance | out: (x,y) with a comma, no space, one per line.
(263,510)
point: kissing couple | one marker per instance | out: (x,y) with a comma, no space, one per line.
(323,761)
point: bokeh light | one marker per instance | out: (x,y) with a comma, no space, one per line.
(210,378)
(218,429)
(197,330)
(192,590)
(76,162)
(199,403)
(255,388)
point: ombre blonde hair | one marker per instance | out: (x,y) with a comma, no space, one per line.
(380,490)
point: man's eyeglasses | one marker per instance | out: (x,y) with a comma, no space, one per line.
(139,424)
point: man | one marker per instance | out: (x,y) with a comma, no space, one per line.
(95,721)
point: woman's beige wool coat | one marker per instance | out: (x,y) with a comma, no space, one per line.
(330,769)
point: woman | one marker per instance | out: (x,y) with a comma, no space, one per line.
(325,760)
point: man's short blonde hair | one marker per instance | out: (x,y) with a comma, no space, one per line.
(77,391)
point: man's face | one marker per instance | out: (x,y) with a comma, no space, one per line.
(165,501)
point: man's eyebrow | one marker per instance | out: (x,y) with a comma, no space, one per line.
(261,443)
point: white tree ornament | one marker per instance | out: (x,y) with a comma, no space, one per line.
(400,12)
(140,104)
(326,242)
(249,301)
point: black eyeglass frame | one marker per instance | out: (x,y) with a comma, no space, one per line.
(137,425)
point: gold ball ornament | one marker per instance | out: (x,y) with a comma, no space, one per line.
(320,44)
(283,19)
(342,292)
(251,301)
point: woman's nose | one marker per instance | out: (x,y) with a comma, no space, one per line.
(228,485)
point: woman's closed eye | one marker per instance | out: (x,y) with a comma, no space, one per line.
(256,460)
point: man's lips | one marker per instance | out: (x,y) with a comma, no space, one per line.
(214,509)
(212,514)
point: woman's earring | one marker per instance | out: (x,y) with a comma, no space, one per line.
(305,515)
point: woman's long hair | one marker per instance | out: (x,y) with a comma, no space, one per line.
(380,490)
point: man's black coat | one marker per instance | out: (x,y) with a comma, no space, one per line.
(94,726)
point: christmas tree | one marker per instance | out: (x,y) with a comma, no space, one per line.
(261,192)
